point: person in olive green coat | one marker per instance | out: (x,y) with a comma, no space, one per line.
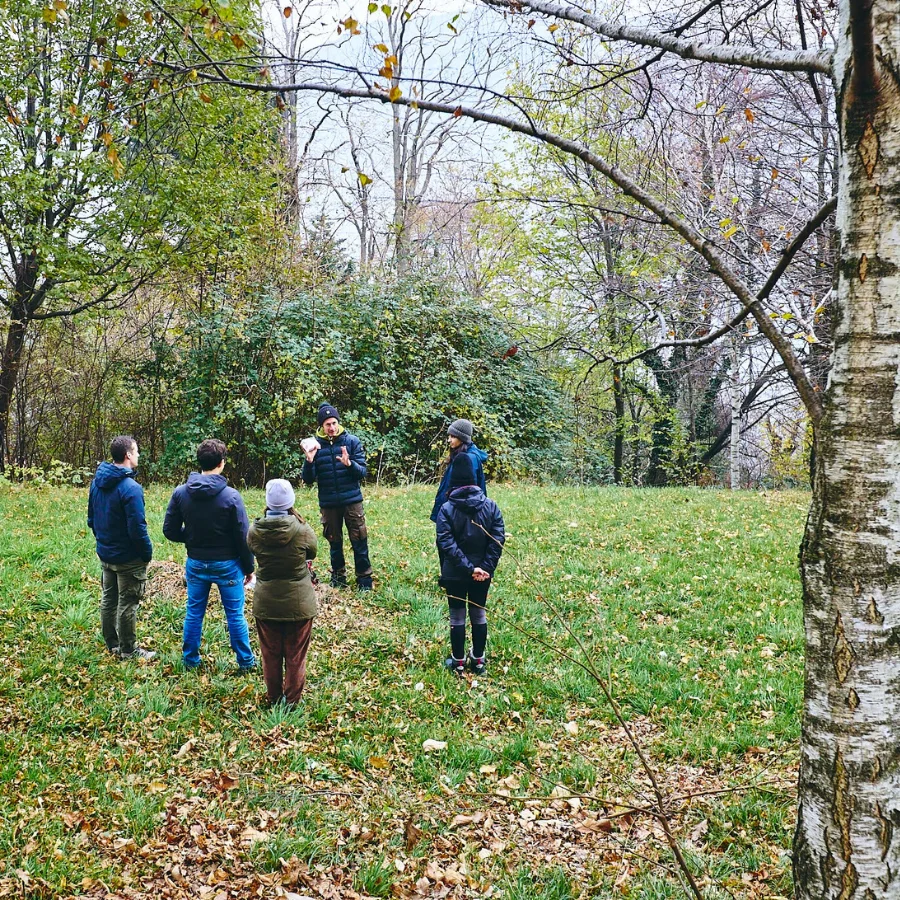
(284,600)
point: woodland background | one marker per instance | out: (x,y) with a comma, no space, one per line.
(184,260)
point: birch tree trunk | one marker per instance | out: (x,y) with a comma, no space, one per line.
(847,843)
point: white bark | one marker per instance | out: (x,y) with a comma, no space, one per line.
(845,845)
(725,54)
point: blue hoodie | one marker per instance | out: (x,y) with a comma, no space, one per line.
(479,457)
(116,515)
(210,518)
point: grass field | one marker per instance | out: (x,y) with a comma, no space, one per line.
(136,780)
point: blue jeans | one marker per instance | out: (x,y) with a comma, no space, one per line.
(229,578)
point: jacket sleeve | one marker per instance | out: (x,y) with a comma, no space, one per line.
(90,516)
(447,542)
(440,498)
(308,473)
(252,543)
(136,522)
(358,459)
(479,476)
(173,524)
(241,528)
(496,539)
(309,540)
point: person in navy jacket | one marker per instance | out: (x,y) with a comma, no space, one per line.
(459,440)
(338,465)
(209,518)
(470,538)
(116,517)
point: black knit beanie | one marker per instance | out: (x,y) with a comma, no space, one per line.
(462,471)
(326,411)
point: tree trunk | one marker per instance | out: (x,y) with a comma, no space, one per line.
(847,842)
(735,454)
(9,372)
(619,436)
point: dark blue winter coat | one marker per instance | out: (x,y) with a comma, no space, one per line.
(116,515)
(338,484)
(209,517)
(478,457)
(463,545)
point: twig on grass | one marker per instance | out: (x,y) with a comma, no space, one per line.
(691,886)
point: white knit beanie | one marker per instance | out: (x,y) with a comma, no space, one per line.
(279,495)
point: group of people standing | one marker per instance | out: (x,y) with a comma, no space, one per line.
(273,554)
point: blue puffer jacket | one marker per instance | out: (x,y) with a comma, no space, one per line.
(338,484)
(461,525)
(210,519)
(116,515)
(479,457)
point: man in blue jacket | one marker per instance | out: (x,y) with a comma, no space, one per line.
(210,519)
(338,464)
(116,517)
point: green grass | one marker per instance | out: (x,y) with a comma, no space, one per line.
(686,602)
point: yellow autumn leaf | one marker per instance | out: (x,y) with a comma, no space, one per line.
(731,232)
(363,178)
(552,28)
(395,94)
(381,48)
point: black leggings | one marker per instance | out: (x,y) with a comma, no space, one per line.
(471,595)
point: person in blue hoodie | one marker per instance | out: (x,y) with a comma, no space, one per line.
(116,517)
(470,538)
(210,519)
(459,439)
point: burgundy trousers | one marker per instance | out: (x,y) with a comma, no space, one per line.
(283,647)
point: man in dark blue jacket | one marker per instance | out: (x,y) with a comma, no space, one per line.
(116,517)
(210,519)
(338,464)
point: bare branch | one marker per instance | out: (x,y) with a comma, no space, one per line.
(724,54)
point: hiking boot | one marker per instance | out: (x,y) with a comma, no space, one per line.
(242,671)
(139,653)
(477,664)
(364,583)
(338,582)
(456,666)
(113,651)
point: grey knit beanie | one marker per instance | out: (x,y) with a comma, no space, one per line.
(462,430)
(279,495)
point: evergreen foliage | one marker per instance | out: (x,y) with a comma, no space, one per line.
(400,360)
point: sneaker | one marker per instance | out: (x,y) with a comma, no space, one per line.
(364,583)
(456,666)
(113,651)
(477,664)
(139,653)
(338,583)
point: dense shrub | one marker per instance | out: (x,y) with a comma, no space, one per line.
(399,360)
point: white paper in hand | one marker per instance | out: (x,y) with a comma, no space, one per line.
(309,444)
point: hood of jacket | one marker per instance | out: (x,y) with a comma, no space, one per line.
(478,453)
(469,498)
(276,531)
(109,475)
(201,486)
